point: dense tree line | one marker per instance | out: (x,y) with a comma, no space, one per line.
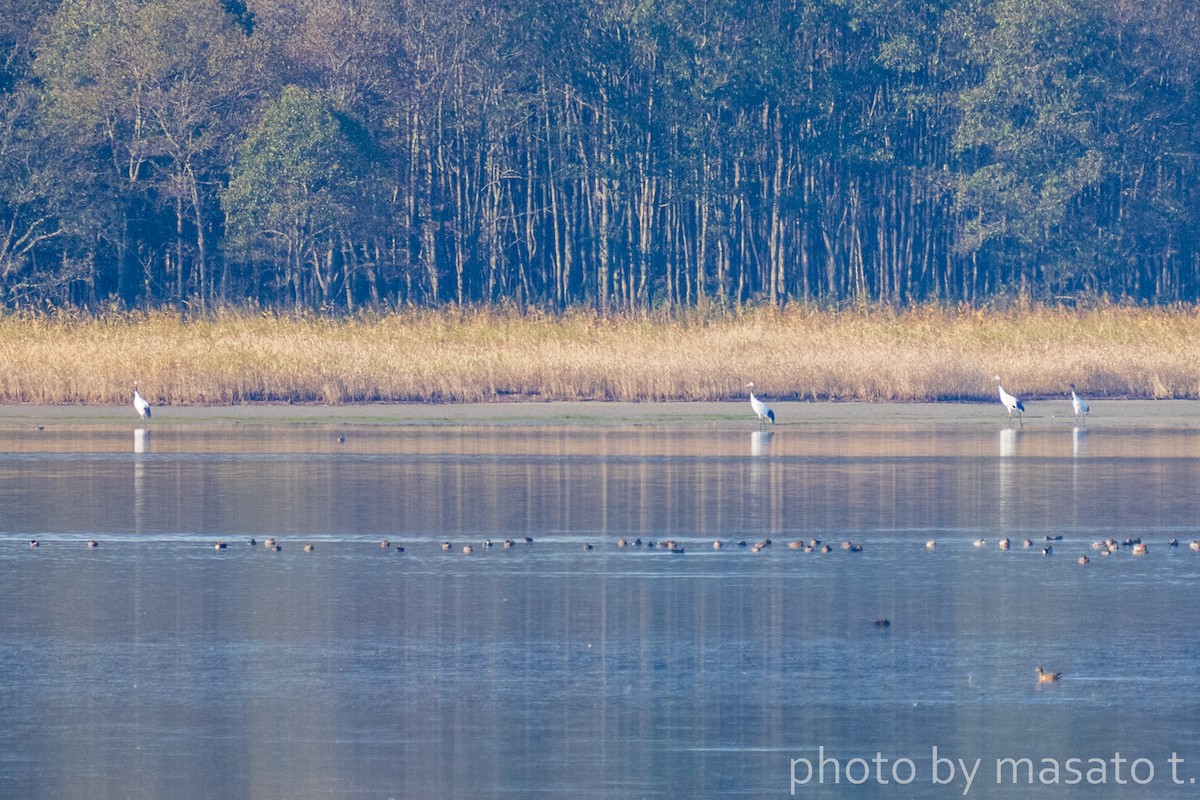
(336,154)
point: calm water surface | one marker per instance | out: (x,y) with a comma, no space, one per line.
(153,666)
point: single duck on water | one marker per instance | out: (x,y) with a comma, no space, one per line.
(1047,677)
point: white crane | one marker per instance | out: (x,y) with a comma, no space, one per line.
(1011,403)
(1079,404)
(763,410)
(140,404)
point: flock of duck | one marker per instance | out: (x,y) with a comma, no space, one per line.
(812,545)
(272,545)
(1103,547)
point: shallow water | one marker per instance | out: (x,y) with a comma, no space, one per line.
(154,666)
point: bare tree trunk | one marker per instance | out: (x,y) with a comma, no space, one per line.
(201,263)
(602,234)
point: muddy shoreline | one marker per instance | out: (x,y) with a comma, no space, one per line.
(1122,413)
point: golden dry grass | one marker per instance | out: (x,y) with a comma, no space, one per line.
(877,355)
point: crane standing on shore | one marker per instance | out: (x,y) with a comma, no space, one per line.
(1011,403)
(1079,404)
(763,410)
(140,404)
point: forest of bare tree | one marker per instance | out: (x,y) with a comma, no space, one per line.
(346,154)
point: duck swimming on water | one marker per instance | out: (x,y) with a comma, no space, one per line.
(1047,677)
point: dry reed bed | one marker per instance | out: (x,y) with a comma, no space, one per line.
(878,355)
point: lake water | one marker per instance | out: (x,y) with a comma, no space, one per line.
(154,666)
